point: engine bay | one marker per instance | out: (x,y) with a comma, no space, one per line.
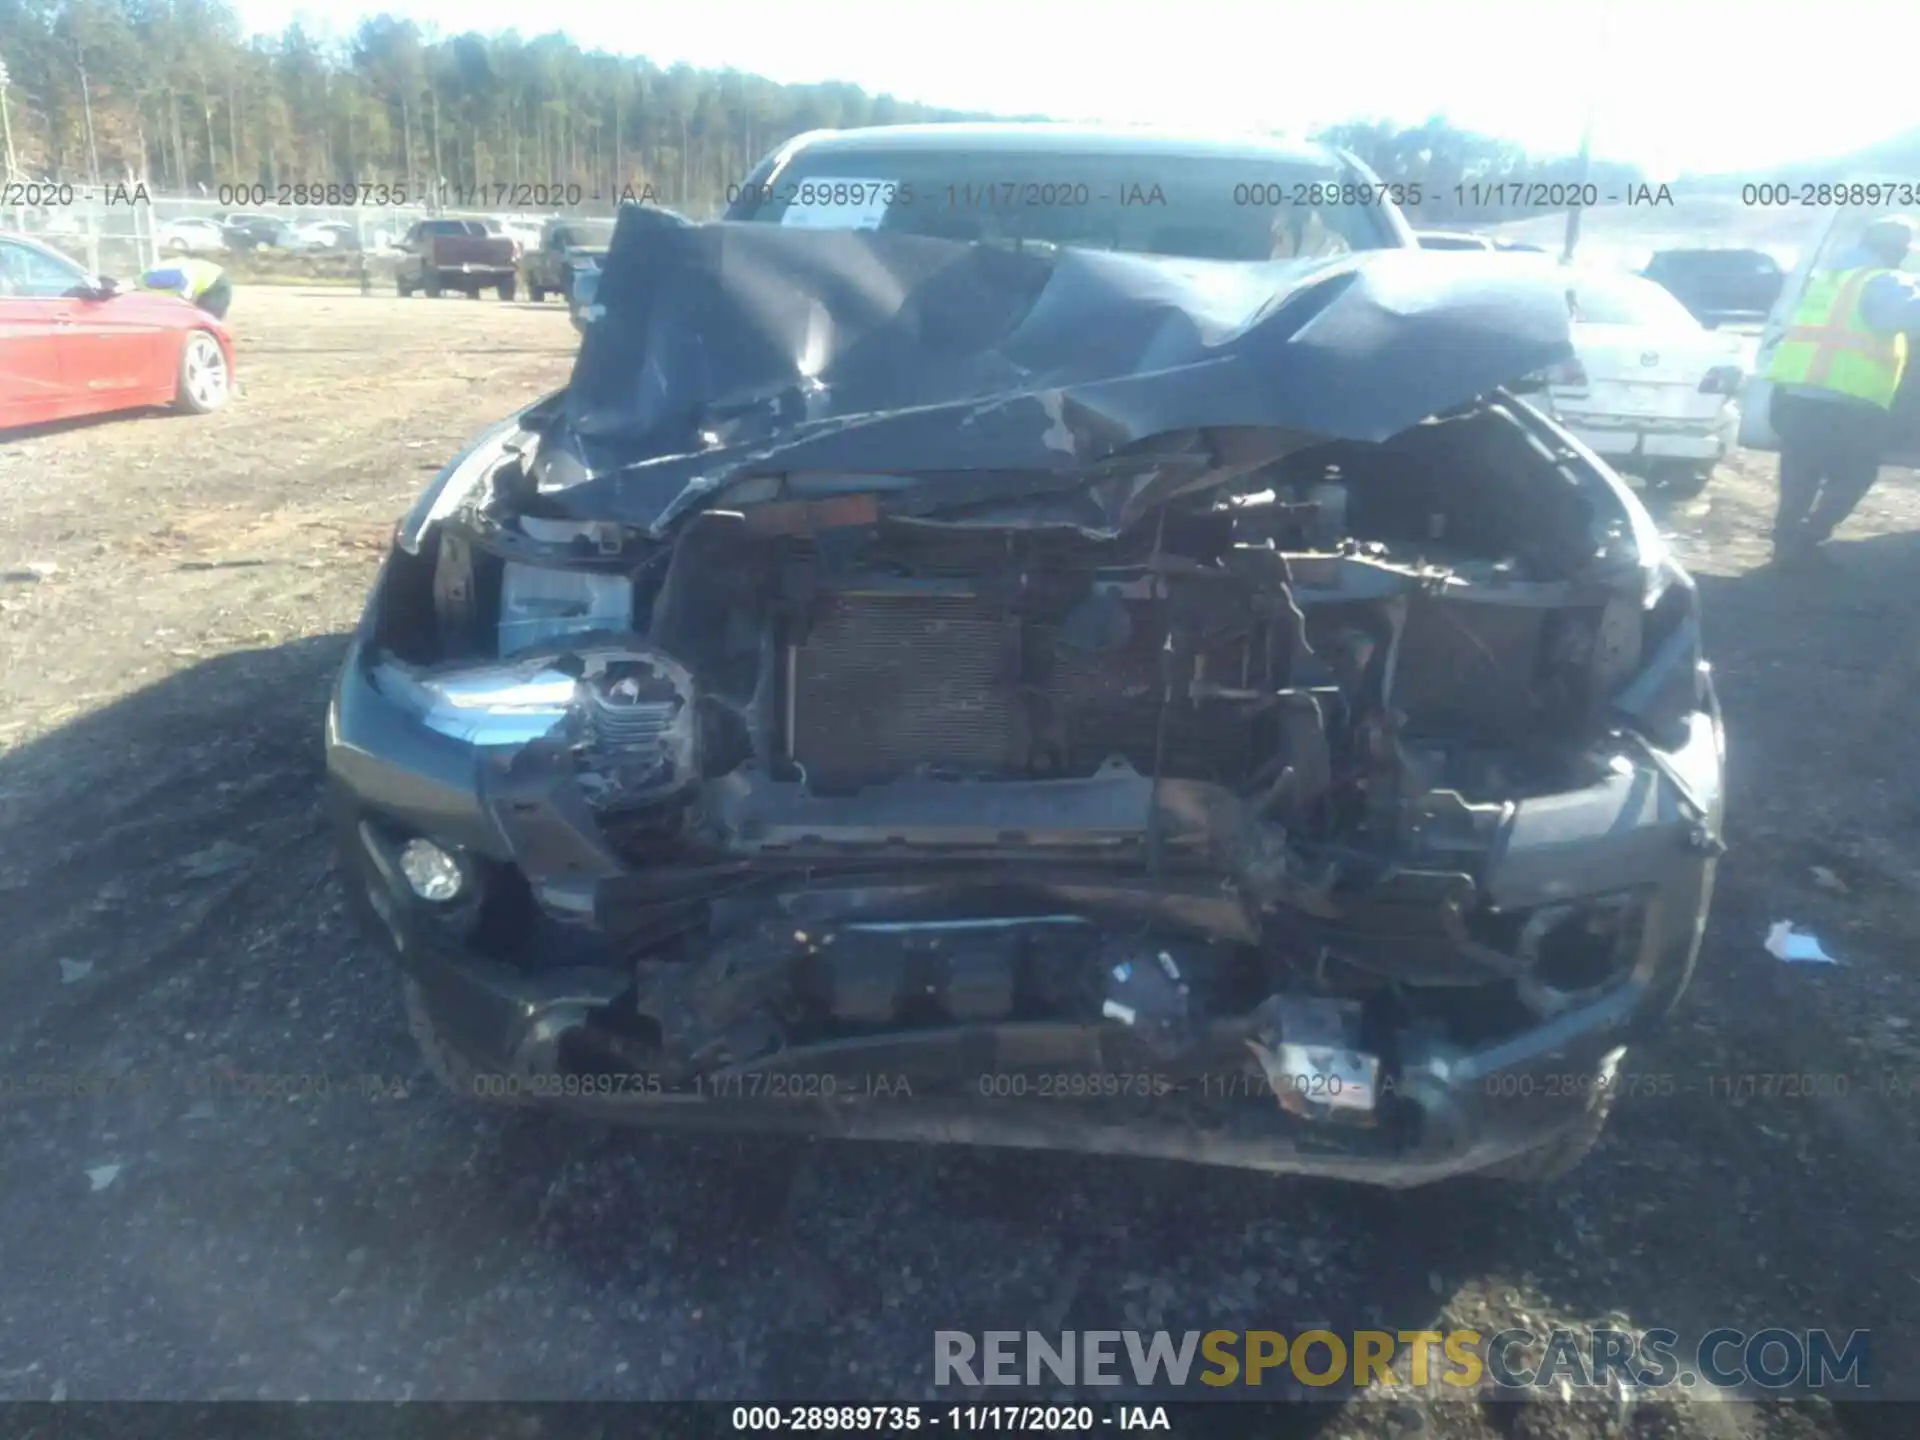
(1328,638)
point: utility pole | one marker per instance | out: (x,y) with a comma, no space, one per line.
(6,121)
(93,151)
(1586,166)
(1599,57)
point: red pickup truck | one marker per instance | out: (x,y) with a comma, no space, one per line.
(442,255)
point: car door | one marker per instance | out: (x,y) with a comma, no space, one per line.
(124,347)
(1840,233)
(32,386)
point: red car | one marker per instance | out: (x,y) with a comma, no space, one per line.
(72,344)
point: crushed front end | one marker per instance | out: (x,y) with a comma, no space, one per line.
(1318,802)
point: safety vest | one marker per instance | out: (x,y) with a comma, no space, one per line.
(189,279)
(1828,346)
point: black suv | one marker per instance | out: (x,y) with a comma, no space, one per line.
(1719,285)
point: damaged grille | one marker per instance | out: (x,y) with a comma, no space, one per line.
(888,685)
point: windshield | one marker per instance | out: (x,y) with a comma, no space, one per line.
(1627,300)
(1452,242)
(1201,207)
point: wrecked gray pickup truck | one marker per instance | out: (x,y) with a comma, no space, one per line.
(913,689)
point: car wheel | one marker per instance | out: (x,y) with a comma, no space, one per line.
(404,286)
(430,286)
(537,294)
(205,382)
(445,1062)
(177,246)
(506,289)
(1558,1156)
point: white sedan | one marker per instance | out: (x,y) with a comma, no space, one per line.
(325,235)
(1649,388)
(190,235)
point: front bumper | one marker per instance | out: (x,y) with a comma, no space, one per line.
(1079,1082)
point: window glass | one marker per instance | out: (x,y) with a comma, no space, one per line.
(31,273)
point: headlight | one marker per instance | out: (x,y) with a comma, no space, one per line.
(629,714)
(540,605)
(491,705)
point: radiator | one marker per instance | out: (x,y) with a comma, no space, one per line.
(888,684)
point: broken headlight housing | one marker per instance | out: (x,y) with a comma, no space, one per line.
(539,605)
(543,603)
(487,705)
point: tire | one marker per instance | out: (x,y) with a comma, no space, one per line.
(206,380)
(404,286)
(445,1062)
(177,246)
(536,293)
(1559,1155)
(506,289)
(430,285)
(1686,482)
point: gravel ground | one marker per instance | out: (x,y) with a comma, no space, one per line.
(173,920)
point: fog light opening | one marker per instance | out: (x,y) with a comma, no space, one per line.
(432,873)
(1574,953)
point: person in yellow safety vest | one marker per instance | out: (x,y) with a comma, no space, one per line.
(201,281)
(1835,374)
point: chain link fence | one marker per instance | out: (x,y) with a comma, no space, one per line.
(124,231)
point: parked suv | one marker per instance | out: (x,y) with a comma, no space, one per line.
(1025,635)
(255,232)
(1717,285)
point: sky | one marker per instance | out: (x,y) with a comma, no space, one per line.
(1681,86)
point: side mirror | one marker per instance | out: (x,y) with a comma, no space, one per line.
(102,287)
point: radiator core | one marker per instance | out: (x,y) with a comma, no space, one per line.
(887,685)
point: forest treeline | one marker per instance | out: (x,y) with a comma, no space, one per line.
(173,94)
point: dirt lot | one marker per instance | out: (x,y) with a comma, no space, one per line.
(171,916)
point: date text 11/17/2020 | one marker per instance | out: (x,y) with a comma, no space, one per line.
(1319,1086)
(896,1419)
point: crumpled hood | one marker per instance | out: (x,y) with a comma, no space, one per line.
(732,349)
